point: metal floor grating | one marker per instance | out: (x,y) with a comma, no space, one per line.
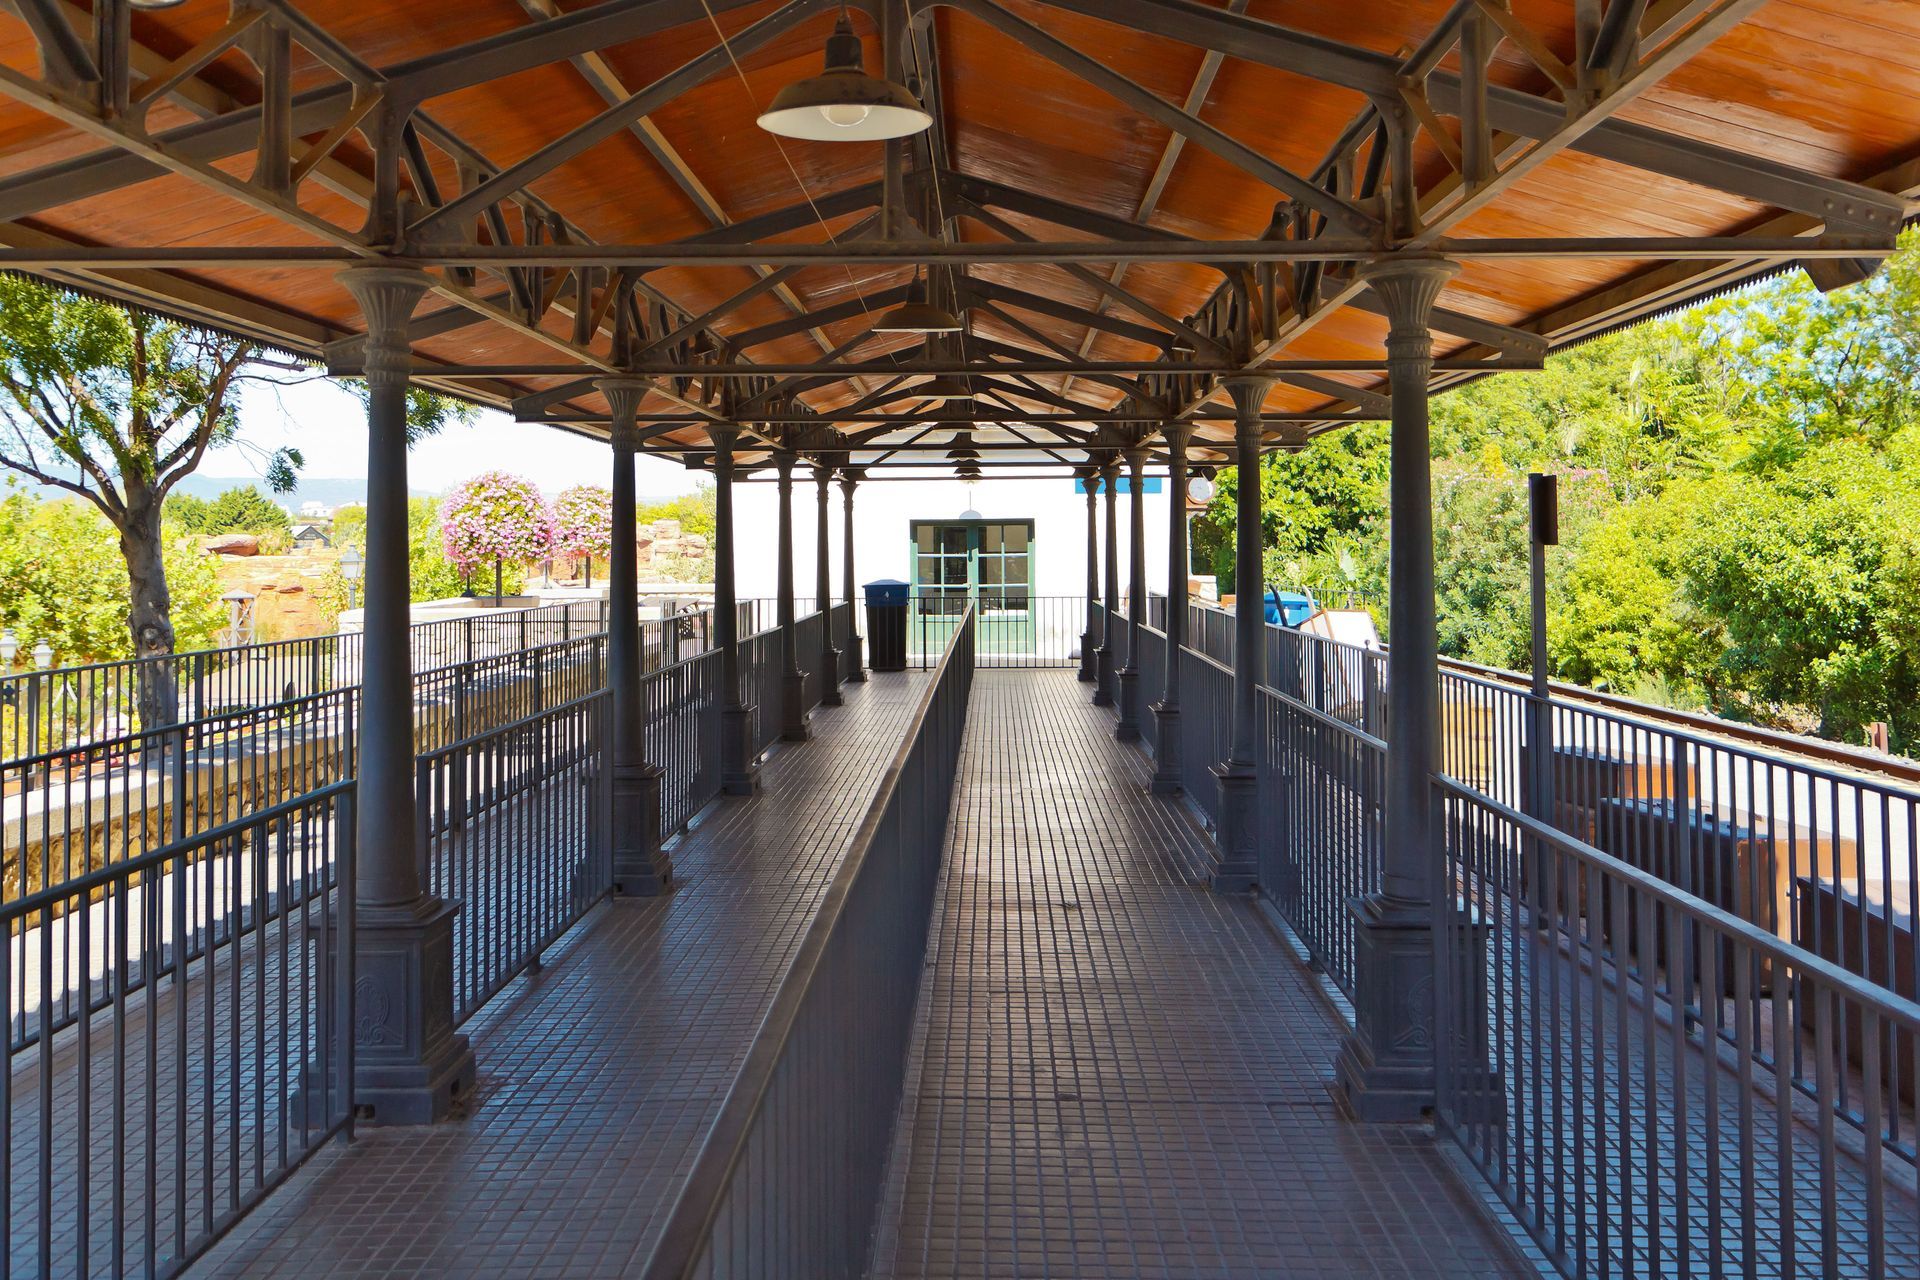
(1121,1073)
(599,1076)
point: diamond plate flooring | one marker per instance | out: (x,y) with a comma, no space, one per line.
(1121,1073)
(599,1075)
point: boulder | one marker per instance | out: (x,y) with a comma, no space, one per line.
(234,544)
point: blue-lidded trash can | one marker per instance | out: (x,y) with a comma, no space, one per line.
(887,624)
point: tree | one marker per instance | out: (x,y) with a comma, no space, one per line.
(244,509)
(583,523)
(67,584)
(117,407)
(497,517)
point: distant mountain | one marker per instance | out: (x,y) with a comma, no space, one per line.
(334,491)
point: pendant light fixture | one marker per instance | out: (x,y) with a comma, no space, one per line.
(963,450)
(943,387)
(916,314)
(844,103)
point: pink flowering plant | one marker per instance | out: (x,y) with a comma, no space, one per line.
(497,517)
(583,522)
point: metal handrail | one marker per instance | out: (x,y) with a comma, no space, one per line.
(1805,963)
(690,1222)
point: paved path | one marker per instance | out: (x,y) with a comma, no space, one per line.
(600,1075)
(1121,1073)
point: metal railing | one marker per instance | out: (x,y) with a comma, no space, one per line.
(515,826)
(1674,969)
(789,1179)
(1010,630)
(1608,1072)
(218,969)
(685,704)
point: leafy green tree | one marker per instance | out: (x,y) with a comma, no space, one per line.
(67,584)
(117,407)
(244,509)
(694,511)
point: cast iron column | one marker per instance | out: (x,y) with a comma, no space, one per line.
(1103,684)
(1166,755)
(1090,479)
(739,770)
(856,660)
(409,1064)
(640,865)
(793,680)
(1386,1066)
(1128,730)
(823,591)
(1239,773)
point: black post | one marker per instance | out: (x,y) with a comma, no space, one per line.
(1238,774)
(1386,1067)
(409,1064)
(1543,494)
(640,865)
(739,772)
(1166,756)
(856,660)
(1090,636)
(823,591)
(793,680)
(1128,730)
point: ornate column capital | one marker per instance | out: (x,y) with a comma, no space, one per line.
(851,476)
(1408,289)
(1249,392)
(623,402)
(387,297)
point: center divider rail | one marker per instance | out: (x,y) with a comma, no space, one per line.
(789,1179)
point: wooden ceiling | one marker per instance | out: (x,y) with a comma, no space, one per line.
(1696,121)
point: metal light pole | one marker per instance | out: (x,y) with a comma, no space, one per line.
(352,565)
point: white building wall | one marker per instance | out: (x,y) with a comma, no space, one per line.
(884,511)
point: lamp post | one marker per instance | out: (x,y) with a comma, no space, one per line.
(9,648)
(352,565)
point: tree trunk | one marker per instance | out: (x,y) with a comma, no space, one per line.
(149,613)
(499,570)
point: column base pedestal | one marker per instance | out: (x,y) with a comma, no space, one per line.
(830,663)
(641,868)
(1086,657)
(794,722)
(1103,677)
(1166,751)
(739,771)
(856,661)
(1239,868)
(1128,730)
(1386,1068)
(409,1065)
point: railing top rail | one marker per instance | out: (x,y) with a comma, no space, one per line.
(698,1205)
(55,894)
(1315,714)
(1857,758)
(428,757)
(514,655)
(137,739)
(1803,963)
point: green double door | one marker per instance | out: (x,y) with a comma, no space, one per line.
(986,562)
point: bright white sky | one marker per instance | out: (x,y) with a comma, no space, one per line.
(328,426)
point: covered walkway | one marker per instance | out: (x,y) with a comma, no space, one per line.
(1121,1073)
(1116,1071)
(600,1074)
